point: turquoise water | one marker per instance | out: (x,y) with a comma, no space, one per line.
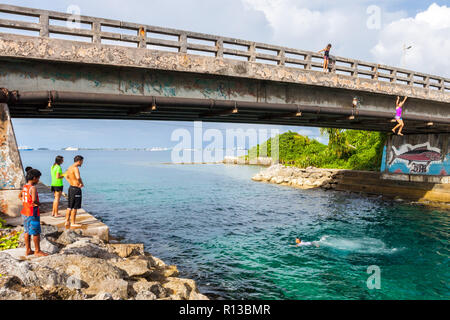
(235,237)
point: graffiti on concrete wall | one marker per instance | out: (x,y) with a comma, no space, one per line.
(418,159)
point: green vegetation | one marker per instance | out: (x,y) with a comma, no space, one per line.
(10,240)
(2,223)
(347,149)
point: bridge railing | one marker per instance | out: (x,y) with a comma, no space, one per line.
(105,31)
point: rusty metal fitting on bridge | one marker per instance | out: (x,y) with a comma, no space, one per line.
(235,110)
(153,104)
(299,112)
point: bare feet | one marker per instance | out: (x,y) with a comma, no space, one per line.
(56,216)
(29,253)
(67,225)
(393,130)
(40,254)
(400,134)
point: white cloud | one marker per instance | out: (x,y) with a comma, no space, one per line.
(321,139)
(311,25)
(305,132)
(429,35)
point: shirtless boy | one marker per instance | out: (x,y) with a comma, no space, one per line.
(73,177)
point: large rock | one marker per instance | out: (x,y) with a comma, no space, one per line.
(30,272)
(80,271)
(118,288)
(135,266)
(9,294)
(143,287)
(145,296)
(47,246)
(103,296)
(89,247)
(126,250)
(154,261)
(160,274)
(183,289)
(258,177)
(48,230)
(69,237)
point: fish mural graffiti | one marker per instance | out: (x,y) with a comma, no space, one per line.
(418,158)
(421,154)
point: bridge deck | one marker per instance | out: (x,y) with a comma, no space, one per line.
(277,82)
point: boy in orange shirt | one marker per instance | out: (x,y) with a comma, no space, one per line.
(30,213)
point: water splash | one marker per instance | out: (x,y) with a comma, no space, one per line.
(360,245)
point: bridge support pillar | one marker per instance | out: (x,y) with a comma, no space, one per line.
(418,157)
(11,170)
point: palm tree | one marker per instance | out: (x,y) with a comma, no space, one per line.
(337,141)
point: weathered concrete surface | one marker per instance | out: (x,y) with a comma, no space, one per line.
(49,49)
(424,154)
(11,171)
(10,203)
(31,75)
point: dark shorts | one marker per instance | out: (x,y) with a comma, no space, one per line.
(74,198)
(32,225)
(57,189)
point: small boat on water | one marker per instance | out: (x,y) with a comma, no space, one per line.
(71,149)
(25,148)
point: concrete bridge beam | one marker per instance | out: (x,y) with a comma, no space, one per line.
(11,170)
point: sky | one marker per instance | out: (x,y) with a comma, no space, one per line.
(374,31)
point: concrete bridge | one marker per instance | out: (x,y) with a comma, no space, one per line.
(108,69)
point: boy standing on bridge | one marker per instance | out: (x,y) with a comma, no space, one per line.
(326,57)
(30,213)
(73,176)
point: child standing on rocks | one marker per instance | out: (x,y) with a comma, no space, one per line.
(30,213)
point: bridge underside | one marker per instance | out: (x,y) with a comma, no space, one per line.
(78,91)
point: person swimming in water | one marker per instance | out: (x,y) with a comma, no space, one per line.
(300,243)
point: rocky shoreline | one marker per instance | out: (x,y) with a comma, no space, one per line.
(87,268)
(300,178)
